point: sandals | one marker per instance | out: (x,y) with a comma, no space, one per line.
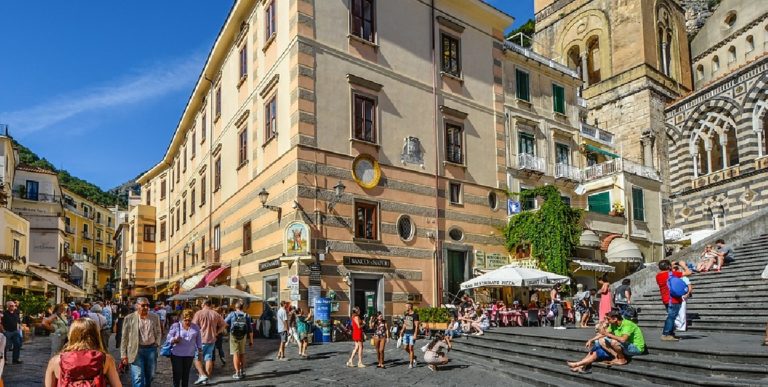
(349,364)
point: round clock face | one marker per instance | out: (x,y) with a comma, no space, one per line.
(366,171)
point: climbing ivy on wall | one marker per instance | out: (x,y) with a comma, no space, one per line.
(553,230)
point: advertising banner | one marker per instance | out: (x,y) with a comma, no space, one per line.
(323,320)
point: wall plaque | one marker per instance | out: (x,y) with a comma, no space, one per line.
(314,274)
(361,261)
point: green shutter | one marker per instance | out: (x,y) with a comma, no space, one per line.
(522,85)
(558,98)
(600,203)
(638,206)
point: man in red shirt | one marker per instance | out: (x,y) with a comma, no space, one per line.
(672,304)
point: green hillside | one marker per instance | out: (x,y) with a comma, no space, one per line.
(73,183)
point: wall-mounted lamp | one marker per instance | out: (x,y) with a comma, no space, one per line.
(338,190)
(263,196)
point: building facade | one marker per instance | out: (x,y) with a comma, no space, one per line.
(718,133)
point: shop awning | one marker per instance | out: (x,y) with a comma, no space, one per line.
(53,278)
(604,152)
(193,281)
(588,238)
(210,277)
(621,250)
(594,266)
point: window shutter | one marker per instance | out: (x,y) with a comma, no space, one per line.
(522,85)
(600,203)
(638,208)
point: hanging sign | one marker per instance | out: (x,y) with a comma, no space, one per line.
(513,207)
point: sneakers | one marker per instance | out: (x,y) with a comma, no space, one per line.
(237,376)
(669,338)
(201,380)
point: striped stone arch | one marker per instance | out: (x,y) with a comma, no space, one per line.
(711,131)
(757,93)
(673,133)
(721,105)
(755,110)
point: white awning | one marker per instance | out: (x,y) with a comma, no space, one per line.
(514,276)
(588,238)
(621,250)
(594,266)
(53,278)
(191,282)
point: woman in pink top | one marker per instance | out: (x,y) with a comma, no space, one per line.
(605,297)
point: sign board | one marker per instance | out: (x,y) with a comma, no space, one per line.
(269,265)
(513,207)
(296,239)
(360,261)
(315,274)
(479,259)
(295,297)
(495,261)
(293,282)
(323,318)
(313,293)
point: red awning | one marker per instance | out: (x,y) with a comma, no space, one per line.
(210,277)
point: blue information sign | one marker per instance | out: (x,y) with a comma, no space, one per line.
(513,207)
(323,318)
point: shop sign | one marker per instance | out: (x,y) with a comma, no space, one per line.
(495,261)
(315,271)
(313,293)
(296,239)
(360,261)
(269,265)
(479,259)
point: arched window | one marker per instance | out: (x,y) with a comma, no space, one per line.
(731,54)
(593,60)
(665,32)
(750,44)
(715,64)
(574,61)
(713,144)
(699,72)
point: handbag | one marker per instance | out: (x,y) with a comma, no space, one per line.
(165,350)
(399,342)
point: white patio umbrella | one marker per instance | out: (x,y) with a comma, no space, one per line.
(511,275)
(182,297)
(223,291)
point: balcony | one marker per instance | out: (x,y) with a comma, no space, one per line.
(99,239)
(567,172)
(80,257)
(605,223)
(528,53)
(36,196)
(69,229)
(615,166)
(596,134)
(530,163)
(110,243)
(87,235)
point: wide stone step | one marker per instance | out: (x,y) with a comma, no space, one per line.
(708,314)
(744,321)
(700,293)
(575,349)
(522,375)
(742,307)
(709,327)
(635,372)
(709,298)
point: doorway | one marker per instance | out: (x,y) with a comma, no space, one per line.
(457,270)
(366,295)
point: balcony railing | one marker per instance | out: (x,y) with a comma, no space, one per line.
(99,240)
(69,229)
(87,235)
(36,196)
(528,53)
(594,133)
(81,257)
(619,165)
(565,171)
(530,162)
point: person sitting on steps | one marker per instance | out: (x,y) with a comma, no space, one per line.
(620,340)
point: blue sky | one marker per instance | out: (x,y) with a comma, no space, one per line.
(97,87)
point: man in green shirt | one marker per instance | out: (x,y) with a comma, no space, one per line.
(622,339)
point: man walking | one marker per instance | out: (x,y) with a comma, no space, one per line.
(622,296)
(239,324)
(106,330)
(162,313)
(210,324)
(141,337)
(672,304)
(409,332)
(282,328)
(11,325)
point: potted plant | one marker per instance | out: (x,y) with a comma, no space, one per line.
(617,209)
(434,318)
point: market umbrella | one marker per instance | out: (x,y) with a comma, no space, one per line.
(512,275)
(182,297)
(223,291)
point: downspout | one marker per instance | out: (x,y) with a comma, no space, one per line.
(438,298)
(210,168)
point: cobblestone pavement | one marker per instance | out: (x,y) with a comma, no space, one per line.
(325,367)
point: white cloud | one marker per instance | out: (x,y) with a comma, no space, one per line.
(144,84)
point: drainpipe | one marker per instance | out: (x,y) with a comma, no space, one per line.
(210,168)
(438,298)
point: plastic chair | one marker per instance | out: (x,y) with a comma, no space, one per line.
(533,317)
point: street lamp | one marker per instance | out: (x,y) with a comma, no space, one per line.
(263,196)
(338,190)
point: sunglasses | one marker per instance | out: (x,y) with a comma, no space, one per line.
(143,305)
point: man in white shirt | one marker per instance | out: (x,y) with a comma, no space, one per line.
(282,328)
(162,313)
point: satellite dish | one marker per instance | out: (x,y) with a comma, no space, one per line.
(580,190)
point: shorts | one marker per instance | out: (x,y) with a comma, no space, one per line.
(207,352)
(236,346)
(409,339)
(453,332)
(628,349)
(284,336)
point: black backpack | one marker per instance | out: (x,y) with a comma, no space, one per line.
(239,326)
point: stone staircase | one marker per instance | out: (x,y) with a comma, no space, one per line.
(728,313)
(734,300)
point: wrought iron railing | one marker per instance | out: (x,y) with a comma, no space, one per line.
(565,171)
(530,162)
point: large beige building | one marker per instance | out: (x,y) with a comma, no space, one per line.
(718,132)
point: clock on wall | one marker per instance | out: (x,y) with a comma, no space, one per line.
(366,171)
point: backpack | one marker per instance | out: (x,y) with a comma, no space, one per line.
(677,287)
(239,326)
(82,369)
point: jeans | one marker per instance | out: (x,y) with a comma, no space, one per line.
(219,347)
(669,325)
(143,367)
(14,340)
(181,366)
(559,316)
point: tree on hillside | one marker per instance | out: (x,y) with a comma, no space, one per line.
(553,230)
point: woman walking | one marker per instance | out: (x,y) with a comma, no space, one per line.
(556,307)
(82,360)
(357,337)
(186,340)
(380,330)
(605,297)
(435,353)
(57,324)
(302,330)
